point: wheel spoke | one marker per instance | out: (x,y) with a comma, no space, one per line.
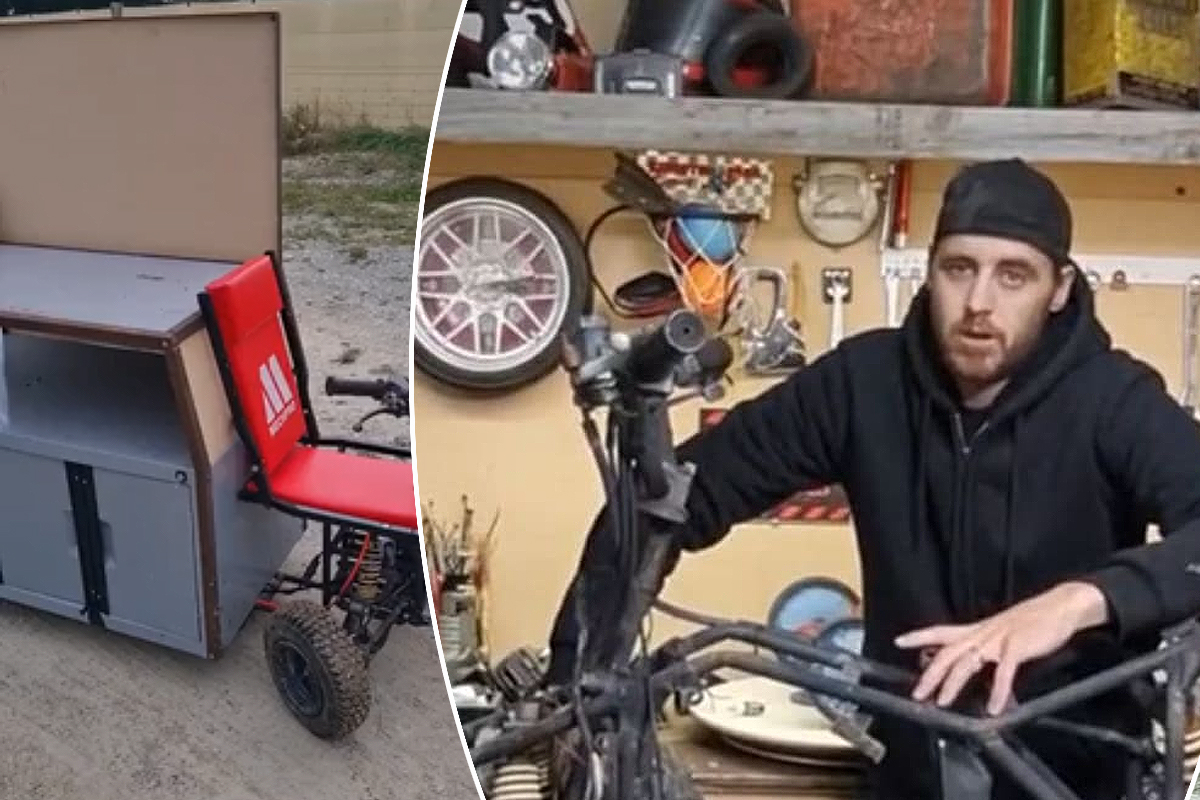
(436,321)
(523,304)
(515,329)
(452,335)
(508,248)
(527,260)
(473,250)
(433,244)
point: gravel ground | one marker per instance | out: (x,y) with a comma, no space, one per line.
(96,716)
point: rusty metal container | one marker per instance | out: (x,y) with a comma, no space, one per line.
(909,51)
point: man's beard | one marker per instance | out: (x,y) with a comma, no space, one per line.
(978,356)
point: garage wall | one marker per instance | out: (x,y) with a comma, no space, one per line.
(381,60)
(523,452)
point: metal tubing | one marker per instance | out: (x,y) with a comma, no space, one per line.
(1031,758)
(1138,748)
(1027,776)
(811,679)
(788,644)
(326,567)
(1084,689)
(1175,720)
(1024,767)
(517,740)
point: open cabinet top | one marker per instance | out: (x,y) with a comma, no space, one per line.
(152,135)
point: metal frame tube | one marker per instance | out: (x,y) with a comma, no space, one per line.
(1017,762)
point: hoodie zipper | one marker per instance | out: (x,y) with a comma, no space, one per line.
(962,560)
(963,444)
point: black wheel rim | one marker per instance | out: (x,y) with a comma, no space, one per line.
(297,682)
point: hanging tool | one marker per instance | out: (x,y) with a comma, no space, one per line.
(1191,330)
(903,204)
(836,289)
(889,206)
(891,277)
(900,233)
(892,243)
(772,343)
(891,297)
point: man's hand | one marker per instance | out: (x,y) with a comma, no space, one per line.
(1032,629)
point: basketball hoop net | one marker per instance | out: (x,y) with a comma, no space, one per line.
(724,198)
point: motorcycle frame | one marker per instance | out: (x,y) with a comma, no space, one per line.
(986,735)
(624,700)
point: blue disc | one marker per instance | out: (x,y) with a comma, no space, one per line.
(810,605)
(845,634)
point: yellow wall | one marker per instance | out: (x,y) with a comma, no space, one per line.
(523,452)
(378,59)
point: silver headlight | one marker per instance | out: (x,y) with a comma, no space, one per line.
(520,61)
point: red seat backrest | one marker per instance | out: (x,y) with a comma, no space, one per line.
(246,304)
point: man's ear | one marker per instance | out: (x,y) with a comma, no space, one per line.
(1062,290)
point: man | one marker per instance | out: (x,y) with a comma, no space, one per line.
(1002,462)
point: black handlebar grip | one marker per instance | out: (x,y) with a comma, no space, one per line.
(353,387)
(652,358)
(714,358)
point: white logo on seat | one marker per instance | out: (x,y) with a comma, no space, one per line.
(278,400)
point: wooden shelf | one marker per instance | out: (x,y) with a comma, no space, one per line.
(853,130)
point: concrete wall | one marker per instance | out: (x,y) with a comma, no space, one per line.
(381,60)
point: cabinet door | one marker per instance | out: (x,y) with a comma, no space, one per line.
(39,557)
(150,561)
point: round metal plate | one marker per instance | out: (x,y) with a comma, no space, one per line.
(837,202)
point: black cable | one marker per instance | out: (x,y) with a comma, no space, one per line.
(686,614)
(581,720)
(589,748)
(587,254)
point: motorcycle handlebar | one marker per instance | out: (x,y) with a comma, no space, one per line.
(707,364)
(653,357)
(354,387)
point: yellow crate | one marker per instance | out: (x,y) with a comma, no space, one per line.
(1133,53)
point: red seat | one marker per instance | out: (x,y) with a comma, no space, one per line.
(265,379)
(368,488)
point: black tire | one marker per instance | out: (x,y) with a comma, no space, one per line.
(761,29)
(577,288)
(319,672)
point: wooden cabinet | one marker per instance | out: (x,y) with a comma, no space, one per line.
(119,468)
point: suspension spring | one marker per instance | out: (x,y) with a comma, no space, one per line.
(369,581)
(523,778)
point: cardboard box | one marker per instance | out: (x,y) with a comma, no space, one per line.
(1131,53)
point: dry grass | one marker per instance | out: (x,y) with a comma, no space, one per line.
(356,186)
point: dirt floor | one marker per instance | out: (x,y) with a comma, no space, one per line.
(95,716)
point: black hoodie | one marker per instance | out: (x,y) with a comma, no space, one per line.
(960,515)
